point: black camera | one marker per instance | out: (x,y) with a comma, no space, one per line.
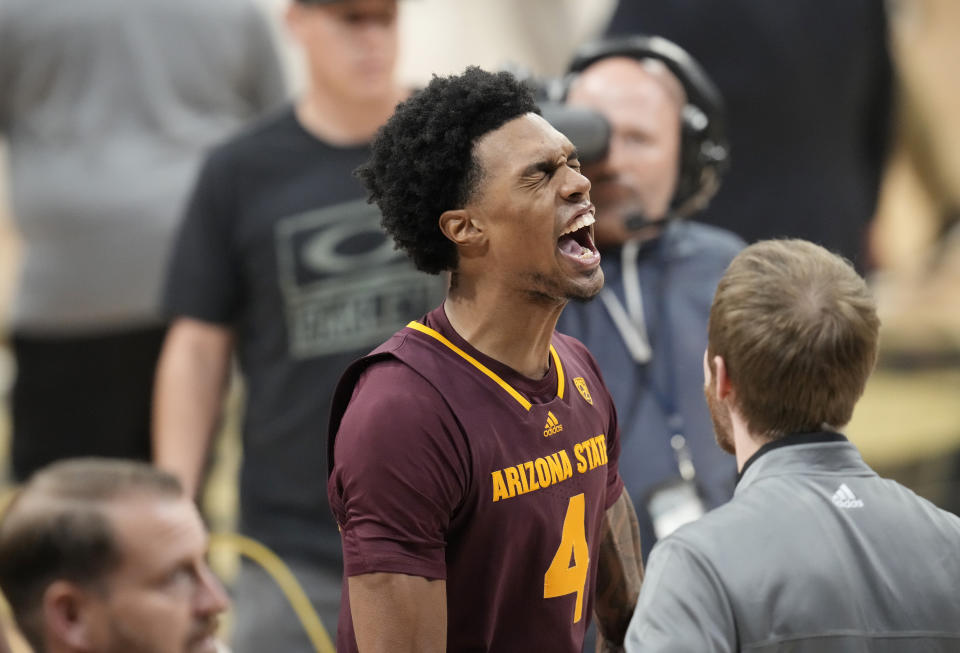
(587,129)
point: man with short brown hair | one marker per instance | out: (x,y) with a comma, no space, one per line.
(108,556)
(815,552)
(789,314)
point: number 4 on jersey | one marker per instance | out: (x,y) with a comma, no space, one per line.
(562,578)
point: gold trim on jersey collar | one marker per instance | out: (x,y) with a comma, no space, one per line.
(523,401)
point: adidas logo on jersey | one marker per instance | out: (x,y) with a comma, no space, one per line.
(845,498)
(552,426)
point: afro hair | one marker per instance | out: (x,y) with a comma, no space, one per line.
(422,161)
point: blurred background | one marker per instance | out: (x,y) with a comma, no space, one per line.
(908,423)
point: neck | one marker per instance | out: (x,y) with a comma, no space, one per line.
(745,442)
(509,328)
(344,122)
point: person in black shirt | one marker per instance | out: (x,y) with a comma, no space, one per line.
(282,261)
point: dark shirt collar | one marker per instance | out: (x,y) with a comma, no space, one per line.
(787,440)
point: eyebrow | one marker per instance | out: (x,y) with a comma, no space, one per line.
(548,165)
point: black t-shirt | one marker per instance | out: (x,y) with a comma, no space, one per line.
(279,244)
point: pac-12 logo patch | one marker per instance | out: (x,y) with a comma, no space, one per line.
(582,388)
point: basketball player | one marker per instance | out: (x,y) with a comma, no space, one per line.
(474,454)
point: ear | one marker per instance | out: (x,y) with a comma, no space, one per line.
(724,387)
(69,616)
(466,233)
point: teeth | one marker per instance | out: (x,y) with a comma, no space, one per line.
(584,220)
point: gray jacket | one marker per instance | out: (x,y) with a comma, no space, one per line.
(815,552)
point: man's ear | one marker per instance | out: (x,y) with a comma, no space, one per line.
(466,232)
(69,616)
(724,388)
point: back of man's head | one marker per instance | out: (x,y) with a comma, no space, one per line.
(422,161)
(797,329)
(56,528)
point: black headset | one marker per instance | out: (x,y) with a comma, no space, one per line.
(704,149)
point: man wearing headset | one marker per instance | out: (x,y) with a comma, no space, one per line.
(647,329)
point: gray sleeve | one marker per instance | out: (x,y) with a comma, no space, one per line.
(682,606)
(267,84)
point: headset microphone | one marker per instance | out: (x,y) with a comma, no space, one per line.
(637,220)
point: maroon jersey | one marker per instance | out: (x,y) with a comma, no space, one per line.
(449,465)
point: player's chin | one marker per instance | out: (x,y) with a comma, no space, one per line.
(587,286)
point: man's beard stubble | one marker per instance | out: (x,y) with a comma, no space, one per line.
(544,290)
(722,424)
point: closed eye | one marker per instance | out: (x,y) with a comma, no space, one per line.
(537,174)
(540,169)
(545,169)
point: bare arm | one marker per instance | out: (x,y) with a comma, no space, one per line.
(399,613)
(188,396)
(619,573)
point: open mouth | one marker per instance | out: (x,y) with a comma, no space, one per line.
(577,239)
